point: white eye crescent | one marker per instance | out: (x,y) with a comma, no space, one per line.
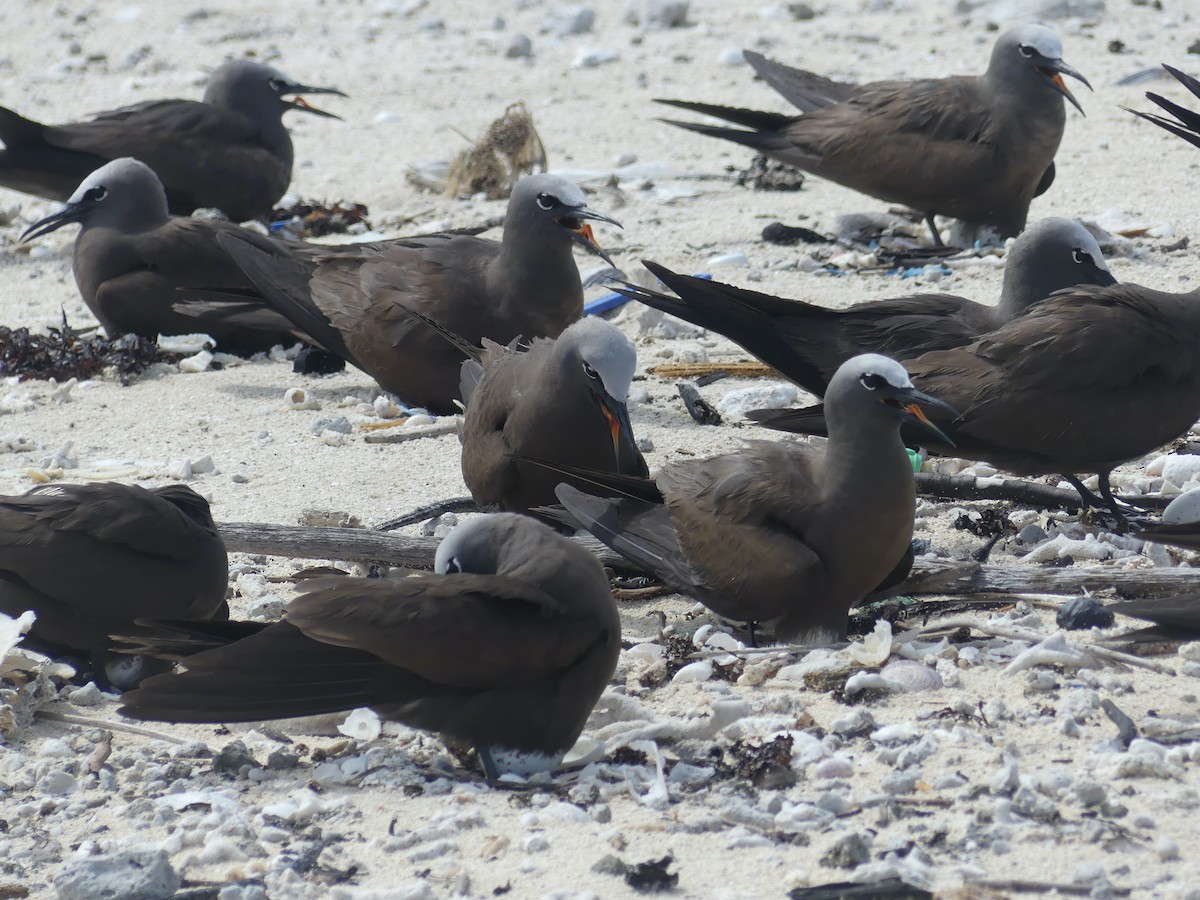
(545,201)
(1026,51)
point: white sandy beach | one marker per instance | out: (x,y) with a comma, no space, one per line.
(1005,776)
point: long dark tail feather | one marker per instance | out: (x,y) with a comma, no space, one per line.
(748,118)
(175,640)
(277,673)
(1192,84)
(632,486)
(1175,618)
(809,420)
(642,532)
(18,131)
(1185,535)
(763,141)
(451,337)
(270,268)
(807,91)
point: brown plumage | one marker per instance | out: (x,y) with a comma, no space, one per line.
(778,531)
(1086,380)
(976,148)
(507,646)
(807,343)
(229,151)
(92,559)
(559,400)
(141,270)
(354,300)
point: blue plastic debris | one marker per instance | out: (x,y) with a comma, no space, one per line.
(612,301)
(916,271)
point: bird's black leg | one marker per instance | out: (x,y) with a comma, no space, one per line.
(490,771)
(1090,500)
(937,238)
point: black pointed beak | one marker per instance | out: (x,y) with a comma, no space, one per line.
(581,231)
(72,212)
(616,417)
(1101,275)
(301,104)
(907,404)
(1054,70)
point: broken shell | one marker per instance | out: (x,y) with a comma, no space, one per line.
(198,363)
(913,676)
(297,398)
(697,671)
(385,408)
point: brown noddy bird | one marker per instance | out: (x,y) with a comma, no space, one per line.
(1187,122)
(779,531)
(561,400)
(354,300)
(229,151)
(507,646)
(137,266)
(1085,380)
(978,148)
(806,343)
(92,559)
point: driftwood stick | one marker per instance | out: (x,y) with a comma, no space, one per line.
(968,487)
(357,545)
(928,578)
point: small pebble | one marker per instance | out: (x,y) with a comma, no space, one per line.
(590,59)
(1084,612)
(1167,849)
(519,47)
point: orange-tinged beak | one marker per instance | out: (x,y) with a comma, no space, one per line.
(614,423)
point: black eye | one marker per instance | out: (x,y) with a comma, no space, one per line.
(278,85)
(1080,257)
(871,381)
(590,372)
(452,566)
(545,201)
(1026,51)
(97,194)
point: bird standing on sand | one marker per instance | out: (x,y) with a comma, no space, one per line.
(778,531)
(977,148)
(229,151)
(507,647)
(1085,380)
(136,265)
(560,400)
(354,300)
(806,343)
(92,559)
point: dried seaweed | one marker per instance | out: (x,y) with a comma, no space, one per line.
(652,876)
(767,764)
(993,521)
(63,354)
(510,149)
(319,218)
(770,175)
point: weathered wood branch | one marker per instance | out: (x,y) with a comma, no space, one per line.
(357,545)
(1046,496)
(959,579)
(928,578)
